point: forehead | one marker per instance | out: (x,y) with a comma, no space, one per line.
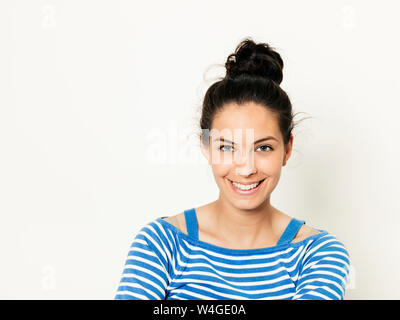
(247,116)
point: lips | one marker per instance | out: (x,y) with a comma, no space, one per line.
(246,192)
(247,183)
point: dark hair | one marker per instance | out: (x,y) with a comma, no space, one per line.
(253,74)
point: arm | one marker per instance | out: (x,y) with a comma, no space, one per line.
(324,272)
(145,275)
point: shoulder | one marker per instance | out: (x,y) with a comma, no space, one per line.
(304,232)
(178,221)
(327,245)
(325,269)
(154,235)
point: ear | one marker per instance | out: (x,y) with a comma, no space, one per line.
(288,151)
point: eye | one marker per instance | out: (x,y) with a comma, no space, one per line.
(266,147)
(223,146)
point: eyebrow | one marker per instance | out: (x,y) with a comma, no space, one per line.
(255,142)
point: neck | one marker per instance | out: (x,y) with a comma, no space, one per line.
(245,227)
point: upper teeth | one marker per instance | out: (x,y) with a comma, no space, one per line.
(245,187)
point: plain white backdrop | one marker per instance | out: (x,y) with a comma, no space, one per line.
(99,110)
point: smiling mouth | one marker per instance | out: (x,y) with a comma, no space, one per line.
(245,190)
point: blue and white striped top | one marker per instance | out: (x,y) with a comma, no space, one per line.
(166,264)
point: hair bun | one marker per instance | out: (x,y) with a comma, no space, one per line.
(255,59)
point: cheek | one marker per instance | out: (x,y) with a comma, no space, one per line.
(219,158)
(221,170)
(268,165)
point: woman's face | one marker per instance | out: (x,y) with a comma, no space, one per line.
(235,156)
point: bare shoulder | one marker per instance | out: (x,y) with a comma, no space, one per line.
(305,232)
(177,221)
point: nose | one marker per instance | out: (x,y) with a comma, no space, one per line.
(245,166)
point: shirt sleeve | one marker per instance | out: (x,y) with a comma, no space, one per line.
(145,275)
(325,271)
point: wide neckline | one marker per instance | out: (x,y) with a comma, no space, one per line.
(208,245)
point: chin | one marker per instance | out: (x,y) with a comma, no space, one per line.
(247,206)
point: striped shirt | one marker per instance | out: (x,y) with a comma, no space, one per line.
(164,263)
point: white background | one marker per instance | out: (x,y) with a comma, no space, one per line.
(85,86)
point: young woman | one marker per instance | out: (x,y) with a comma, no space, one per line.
(239,246)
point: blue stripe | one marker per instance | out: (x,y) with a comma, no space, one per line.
(164,263)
